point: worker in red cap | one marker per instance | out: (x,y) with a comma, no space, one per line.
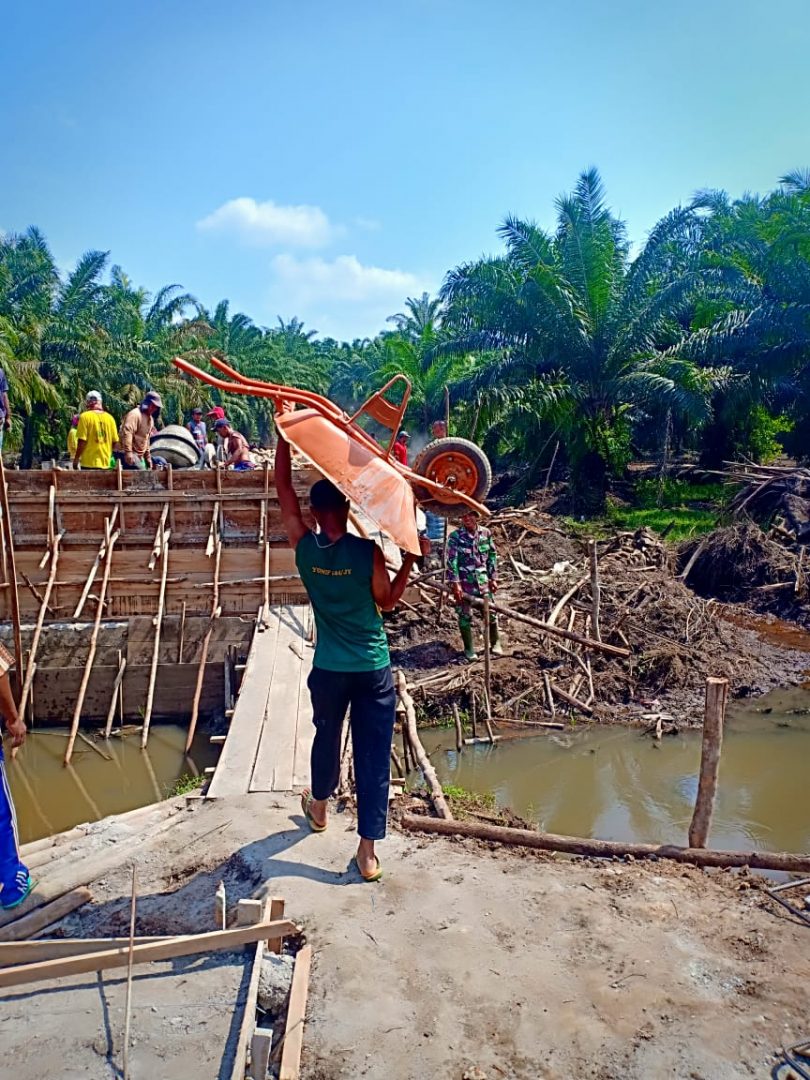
(401,447)
(215,414)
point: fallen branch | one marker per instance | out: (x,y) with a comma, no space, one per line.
(608,849)
(429,773)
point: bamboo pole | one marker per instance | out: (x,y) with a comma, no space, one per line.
(109,525)
(157,546)
(215,610)
(8,537)
(554,631)
(716,699)
(181,633)
(77,712)
(32,656)
(608,849)
(122,666)
(596,592)
(429,773)
(150,693)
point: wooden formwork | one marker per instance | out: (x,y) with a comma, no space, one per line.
(82,502)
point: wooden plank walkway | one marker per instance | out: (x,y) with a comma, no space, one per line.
(271,731)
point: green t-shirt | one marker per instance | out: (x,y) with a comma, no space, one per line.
(349,624)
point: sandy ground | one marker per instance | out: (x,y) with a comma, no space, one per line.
(463,962)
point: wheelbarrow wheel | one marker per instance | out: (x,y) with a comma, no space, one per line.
(460,466)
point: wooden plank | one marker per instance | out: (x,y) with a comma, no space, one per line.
(249,1012)
(216,941)
(235,765)
(31,952)
(45,916)
(260,1046)
(305,734)
(273,770)
(296,1015)
(150,693)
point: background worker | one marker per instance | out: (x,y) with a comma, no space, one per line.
(5,408)
(214,414)
(237,448)
(198,429)
(72,439)
(136,431)
(438,429)
(96,435)
(472,571)
(401,447)
(348,585)
(15,880)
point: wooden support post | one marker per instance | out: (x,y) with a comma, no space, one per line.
(122,666)
(8,538)
(170,489)
(472,714)
(549,694)
(429,773)
(716,699)
(150,693)
(181,633)
(487,673)
(109,525)
(596,592)
(157,546)
(119,481)
(459,729)
(215,610)
(77,712)
(32,656)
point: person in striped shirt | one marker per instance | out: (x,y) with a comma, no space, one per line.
(15,880)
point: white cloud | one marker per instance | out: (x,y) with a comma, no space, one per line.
(267,223)
(341,297)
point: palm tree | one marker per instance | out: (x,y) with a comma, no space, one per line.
(578,338)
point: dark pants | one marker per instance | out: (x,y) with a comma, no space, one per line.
(372,699)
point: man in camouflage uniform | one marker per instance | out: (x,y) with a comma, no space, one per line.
(472,570)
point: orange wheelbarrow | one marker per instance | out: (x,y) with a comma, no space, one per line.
(448,474)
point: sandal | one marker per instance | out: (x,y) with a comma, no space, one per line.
(375,875)
(306,803)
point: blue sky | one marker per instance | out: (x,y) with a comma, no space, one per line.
(326,160)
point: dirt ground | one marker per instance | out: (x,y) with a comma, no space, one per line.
(463,962)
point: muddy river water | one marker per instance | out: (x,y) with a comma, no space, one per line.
(115,776)
(617,784)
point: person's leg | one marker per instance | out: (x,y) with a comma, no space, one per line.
(373,709)
(15,881)
(465,628)
(329,691)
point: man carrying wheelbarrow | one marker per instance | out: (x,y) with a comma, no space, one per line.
(472,571)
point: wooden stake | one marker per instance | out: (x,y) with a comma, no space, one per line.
(549,693)
(487,673)
(128,1005)
(32,656)
(109,525)
(459,729)
(8,537)
(215,610)
(181,633)
(429,773)
(150,693)
(77,712)
(714,715)
(157,546)
(119,480)
(122,666)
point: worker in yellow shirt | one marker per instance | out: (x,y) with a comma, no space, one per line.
(73,438)
(96,435)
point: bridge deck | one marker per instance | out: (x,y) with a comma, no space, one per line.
(271,732)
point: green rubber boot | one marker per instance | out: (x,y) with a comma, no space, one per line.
(467,639)
(495,644)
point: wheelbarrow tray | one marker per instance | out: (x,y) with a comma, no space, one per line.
(366,478)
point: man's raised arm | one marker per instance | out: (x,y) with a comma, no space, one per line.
(288,500)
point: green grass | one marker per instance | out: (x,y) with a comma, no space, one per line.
(460,799)
(185,784)
(684,522)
